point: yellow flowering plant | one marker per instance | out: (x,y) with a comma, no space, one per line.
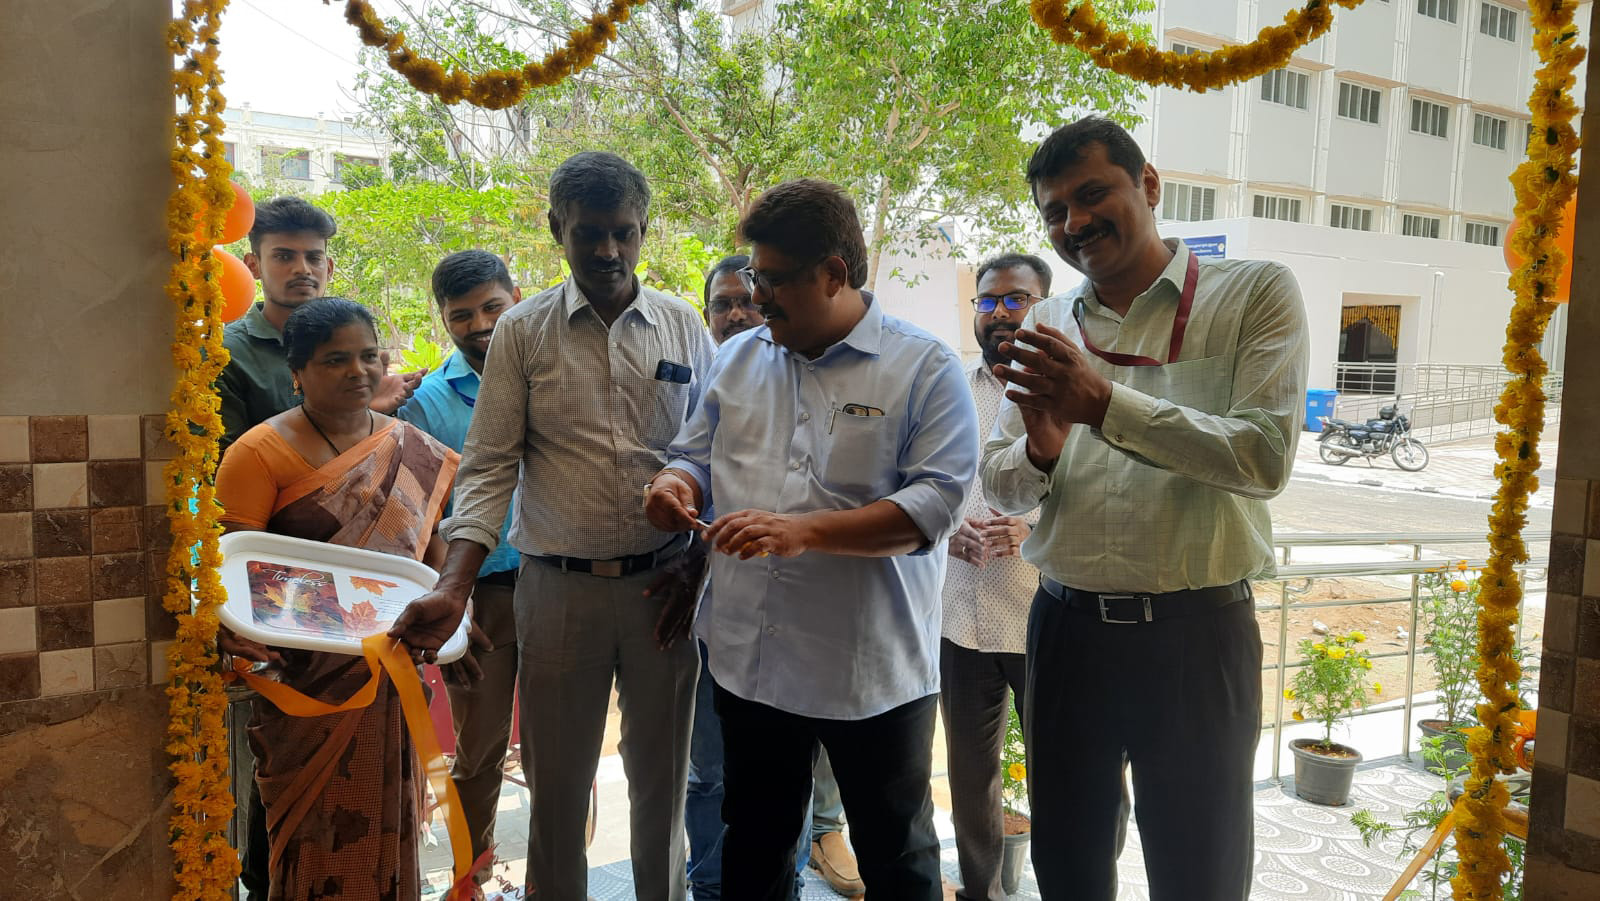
(1331,681)
(1450,632)
(1014,768)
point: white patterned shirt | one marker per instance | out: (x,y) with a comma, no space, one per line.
(1171,491)
(987,609)
(577,408)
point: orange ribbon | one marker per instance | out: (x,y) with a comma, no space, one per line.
(384,654)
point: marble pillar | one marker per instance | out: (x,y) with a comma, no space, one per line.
(85,371)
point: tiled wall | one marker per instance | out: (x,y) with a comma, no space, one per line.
(1565,813)
(83,544)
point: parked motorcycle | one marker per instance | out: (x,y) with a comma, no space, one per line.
(1389,434)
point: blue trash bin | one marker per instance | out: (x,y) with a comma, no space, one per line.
(1319,403)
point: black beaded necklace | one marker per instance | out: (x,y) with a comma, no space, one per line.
(331,446)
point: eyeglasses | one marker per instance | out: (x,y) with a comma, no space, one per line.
(986,303)
(757,281)
(722,306)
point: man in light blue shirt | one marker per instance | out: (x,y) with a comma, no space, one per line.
(473,288)
(843,443)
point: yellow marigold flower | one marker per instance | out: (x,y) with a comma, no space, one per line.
(1288,694)
(1299,717)
(1377,688)
(1462,566)
(1358,636)
(1458,585)
(1320,648)
(1017,771)
(1365,663)
(1337,653)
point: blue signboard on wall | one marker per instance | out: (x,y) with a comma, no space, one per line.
(1208,245)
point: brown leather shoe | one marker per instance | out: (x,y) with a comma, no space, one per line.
(830,856)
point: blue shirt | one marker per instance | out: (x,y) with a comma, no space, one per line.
(442,406)
(825,635)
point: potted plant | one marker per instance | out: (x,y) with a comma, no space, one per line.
(1330,684)
(1014,804)
(1451,611)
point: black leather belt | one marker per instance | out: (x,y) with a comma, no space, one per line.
(1129,607)
(617,567)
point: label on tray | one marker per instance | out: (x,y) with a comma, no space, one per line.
(321,603)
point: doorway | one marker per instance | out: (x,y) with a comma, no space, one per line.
(1369,340)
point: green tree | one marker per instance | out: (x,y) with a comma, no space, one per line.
(925,110)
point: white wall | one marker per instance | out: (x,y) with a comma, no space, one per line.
(1434,62)
(1336,266)
(1353,146)
(1366,38)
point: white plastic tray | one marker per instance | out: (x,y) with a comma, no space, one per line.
(294,593)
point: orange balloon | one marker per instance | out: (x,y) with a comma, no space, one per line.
(237,223)
(238,285)
(1569,220)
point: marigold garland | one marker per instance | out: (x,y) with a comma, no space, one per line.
(204,865)
(1544,184)
(1080,27)
(496,88)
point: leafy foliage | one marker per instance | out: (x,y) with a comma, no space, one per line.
(1014,765)
(925,110)
(1451,611)
(1331,682)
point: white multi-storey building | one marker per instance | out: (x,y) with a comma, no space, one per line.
(1404,121)
(1375,166)
(309,153)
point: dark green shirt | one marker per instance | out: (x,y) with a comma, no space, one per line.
(256,385)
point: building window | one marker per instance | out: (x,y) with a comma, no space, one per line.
(1188,203)
(1353,217)
(1498,22)
(341,164)
(1184,49)
(1268,206)
(1286,87)
(228,153)
(1438,9)
(1490,131)
(1419,226)
(286,163)
(1357,102)
(1483,233)
(1430,118)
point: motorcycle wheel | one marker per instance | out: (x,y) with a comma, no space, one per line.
(1410,455)
(1328,456)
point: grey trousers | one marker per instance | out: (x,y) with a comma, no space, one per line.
(576,633)
(973,695)
(481,713)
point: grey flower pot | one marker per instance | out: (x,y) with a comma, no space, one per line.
(1320,778)
(1016,854)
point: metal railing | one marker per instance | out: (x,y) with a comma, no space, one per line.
(1446,402)
(1415,568)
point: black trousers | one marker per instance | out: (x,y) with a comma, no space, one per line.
(974,695)
(883,765)
(1176,701)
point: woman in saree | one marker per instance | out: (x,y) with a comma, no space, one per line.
(341,790)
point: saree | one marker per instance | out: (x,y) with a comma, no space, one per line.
(342,791)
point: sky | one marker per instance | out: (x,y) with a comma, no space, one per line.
(290,56)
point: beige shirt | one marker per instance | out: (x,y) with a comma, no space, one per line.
(986,609)
(1171,492)
(575,407)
